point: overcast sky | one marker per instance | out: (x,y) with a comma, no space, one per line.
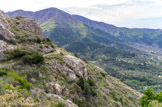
(123,13)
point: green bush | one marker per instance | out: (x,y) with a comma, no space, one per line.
(38,40)
(23,82)
(149,97)
(2,72)
(103,74)
(34,58)
(115,96)
(17,53)
(78,101)
(91,82)
(8,87)
(48,40)
(60,104)
(94,93)
(85,61)
(15,78)
(87,86)
(76,55)
(81,82)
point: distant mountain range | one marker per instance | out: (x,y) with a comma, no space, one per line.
(53,18)
(110,47)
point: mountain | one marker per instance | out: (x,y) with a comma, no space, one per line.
(127,57)
(35,71)
(151,37)
(56,24)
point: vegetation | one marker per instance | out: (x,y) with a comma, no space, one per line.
(48,25)
(16,53)
(34,58)
(87,86)
(150,97)
(15,78)
(56,80)
(60,104)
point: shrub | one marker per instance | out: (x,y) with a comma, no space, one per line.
(85,61)
(86,86)
(103,74)
(38,40)
(2,72)
(115,96)
(48,40)
(23,82)
(149,97)
(34,58)
(8,87)
(16,78)
(76,55)
(91,82)
(94,93)
(78,101)
(60,104)
(17,53)
(81,83)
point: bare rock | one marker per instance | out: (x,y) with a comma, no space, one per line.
(5,30)
(56,66)
(58,89)
(77,65)
(58,98)
(3,47)
(29,25)
(118,104)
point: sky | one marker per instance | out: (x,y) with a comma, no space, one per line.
(122,13)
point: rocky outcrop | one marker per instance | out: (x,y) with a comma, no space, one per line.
(5,29)
(3,47)
(77,65)
(29,25)
(57,98)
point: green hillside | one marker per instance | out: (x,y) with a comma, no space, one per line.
(35,71)
(105,45)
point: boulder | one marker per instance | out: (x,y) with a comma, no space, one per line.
(58,89)
(78,66)
(57,98)
(5,30)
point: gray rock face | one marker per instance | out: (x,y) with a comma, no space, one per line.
(57,66)
(5,32)
(57,98)
(77,65)
(29,25)
(4,46)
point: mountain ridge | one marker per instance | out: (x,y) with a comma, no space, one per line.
(116,52)
(36,72)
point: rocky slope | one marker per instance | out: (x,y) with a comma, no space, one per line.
(35,72)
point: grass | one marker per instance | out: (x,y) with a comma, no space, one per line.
(48,25)
(14,77)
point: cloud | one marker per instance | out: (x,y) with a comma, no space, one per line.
(126,13)
(132,13)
